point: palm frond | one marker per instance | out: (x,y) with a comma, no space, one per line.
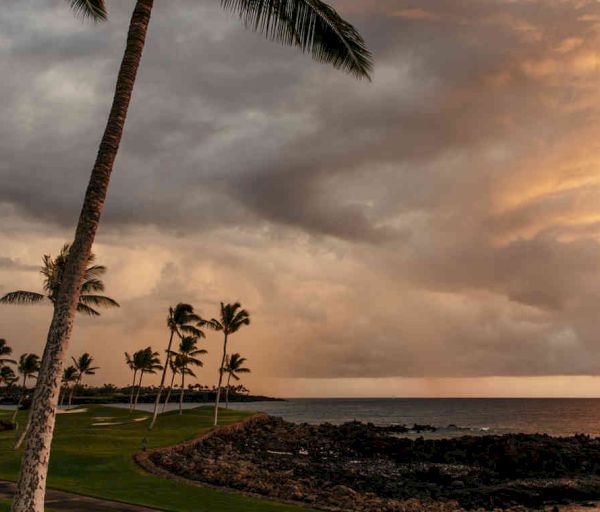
(93,9)
(190,329)
(92,285)
(94,272)
(311,25)
(22,297)
(99,300)
(86,310)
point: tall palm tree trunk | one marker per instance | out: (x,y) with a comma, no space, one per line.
(23,389)
(218,397)
(227,392)
(169,392)
(181,394)
(137,395)
(162,382)
(34,465)
(132,390)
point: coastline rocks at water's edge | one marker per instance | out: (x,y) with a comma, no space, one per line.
(363,467)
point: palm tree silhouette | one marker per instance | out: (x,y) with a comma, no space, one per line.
(53,271)
(83,365)
(7,376)
(28,366)
(145,361)
(69,377)
(234,365)
(232,319)
(130,361)
(310,25)
(174,371)
(186,357)
(5,350)
(181,320)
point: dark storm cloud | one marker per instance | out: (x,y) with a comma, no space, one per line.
(439,221)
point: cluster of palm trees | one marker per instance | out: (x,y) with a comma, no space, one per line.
(28,366)
(188,327)
(183,323)
(73,375)
(143,361)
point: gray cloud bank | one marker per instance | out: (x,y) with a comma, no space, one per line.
(440,221)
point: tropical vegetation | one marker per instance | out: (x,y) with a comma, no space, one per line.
(69,379)
(145,361)
(28,366)
(231,320)
(185,359)
(53,271)
(83,366)
(181,321)
(234,366)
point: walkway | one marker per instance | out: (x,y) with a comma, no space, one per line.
(60,501)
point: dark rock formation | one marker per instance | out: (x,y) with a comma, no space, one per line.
(364,467)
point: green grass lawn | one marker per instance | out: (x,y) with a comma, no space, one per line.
(96,460)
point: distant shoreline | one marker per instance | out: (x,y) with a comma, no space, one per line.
(195,397)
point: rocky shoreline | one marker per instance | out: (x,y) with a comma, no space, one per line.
(368,468)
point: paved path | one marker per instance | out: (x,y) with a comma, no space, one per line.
(67,502)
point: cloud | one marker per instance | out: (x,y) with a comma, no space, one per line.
(439,222)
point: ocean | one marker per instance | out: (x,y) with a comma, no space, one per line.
(452,416)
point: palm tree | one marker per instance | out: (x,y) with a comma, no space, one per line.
(53,270)
(69,377)
(234,365)
(186,357)
(5,350)
(7,376)
(83,365)
(181,320)
(146,361)
(130,361)
(310,25)
(232,319)
(174,371)
(29,365)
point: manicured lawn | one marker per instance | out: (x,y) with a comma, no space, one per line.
(96,460)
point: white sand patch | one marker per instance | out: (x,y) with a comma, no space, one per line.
(70,411)
(110,423)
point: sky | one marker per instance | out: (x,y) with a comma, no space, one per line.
(434,232)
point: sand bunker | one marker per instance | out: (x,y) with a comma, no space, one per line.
(70,411)
(110,423)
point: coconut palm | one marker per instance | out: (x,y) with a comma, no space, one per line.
(234,365)
(53,270)
(69,377)
(145,361)
(231,320)
(131,365)
(180,321)
(7,376)
(186,357)
(83,365)
(5,350)
(310,25)
(28,366)
(174,371)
